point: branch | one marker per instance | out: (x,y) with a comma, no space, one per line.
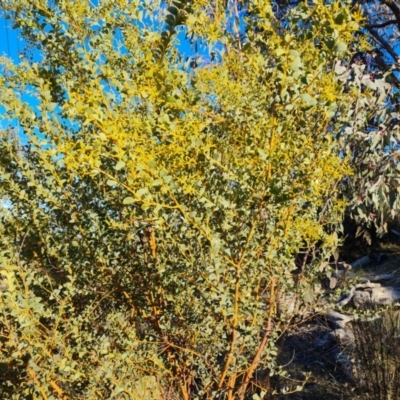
(383,25)
(385,67)
(395,9)
(378,57)
(383,43)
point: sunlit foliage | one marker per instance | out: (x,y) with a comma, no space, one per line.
(155,205)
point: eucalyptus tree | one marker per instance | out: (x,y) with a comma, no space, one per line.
(372,141)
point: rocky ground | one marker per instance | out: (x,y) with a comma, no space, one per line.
(323,346)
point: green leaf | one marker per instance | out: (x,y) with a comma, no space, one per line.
(157,182)
(294,53)
(340,18)
(289,107)
(111,182)
(296,64)
(310,101)
(167,178)
(142,192)
(119,165)
(340,47)
(171,99)
(330,44)
(128,200)
(152,164)
(173,10)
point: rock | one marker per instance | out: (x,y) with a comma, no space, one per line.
(338,319)
(377,278)
(370,293)
(361,262)
(346,297)
(380,258)
(373,296)
(345,336)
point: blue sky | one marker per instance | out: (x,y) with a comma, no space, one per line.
(9,43)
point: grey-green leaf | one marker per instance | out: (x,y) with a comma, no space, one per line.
(340,47)
(128,200)
(119,165)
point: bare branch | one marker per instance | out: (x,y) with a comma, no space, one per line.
(383,24)
(383,43)
(395,9)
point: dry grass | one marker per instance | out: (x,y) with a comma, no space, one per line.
(377,357)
